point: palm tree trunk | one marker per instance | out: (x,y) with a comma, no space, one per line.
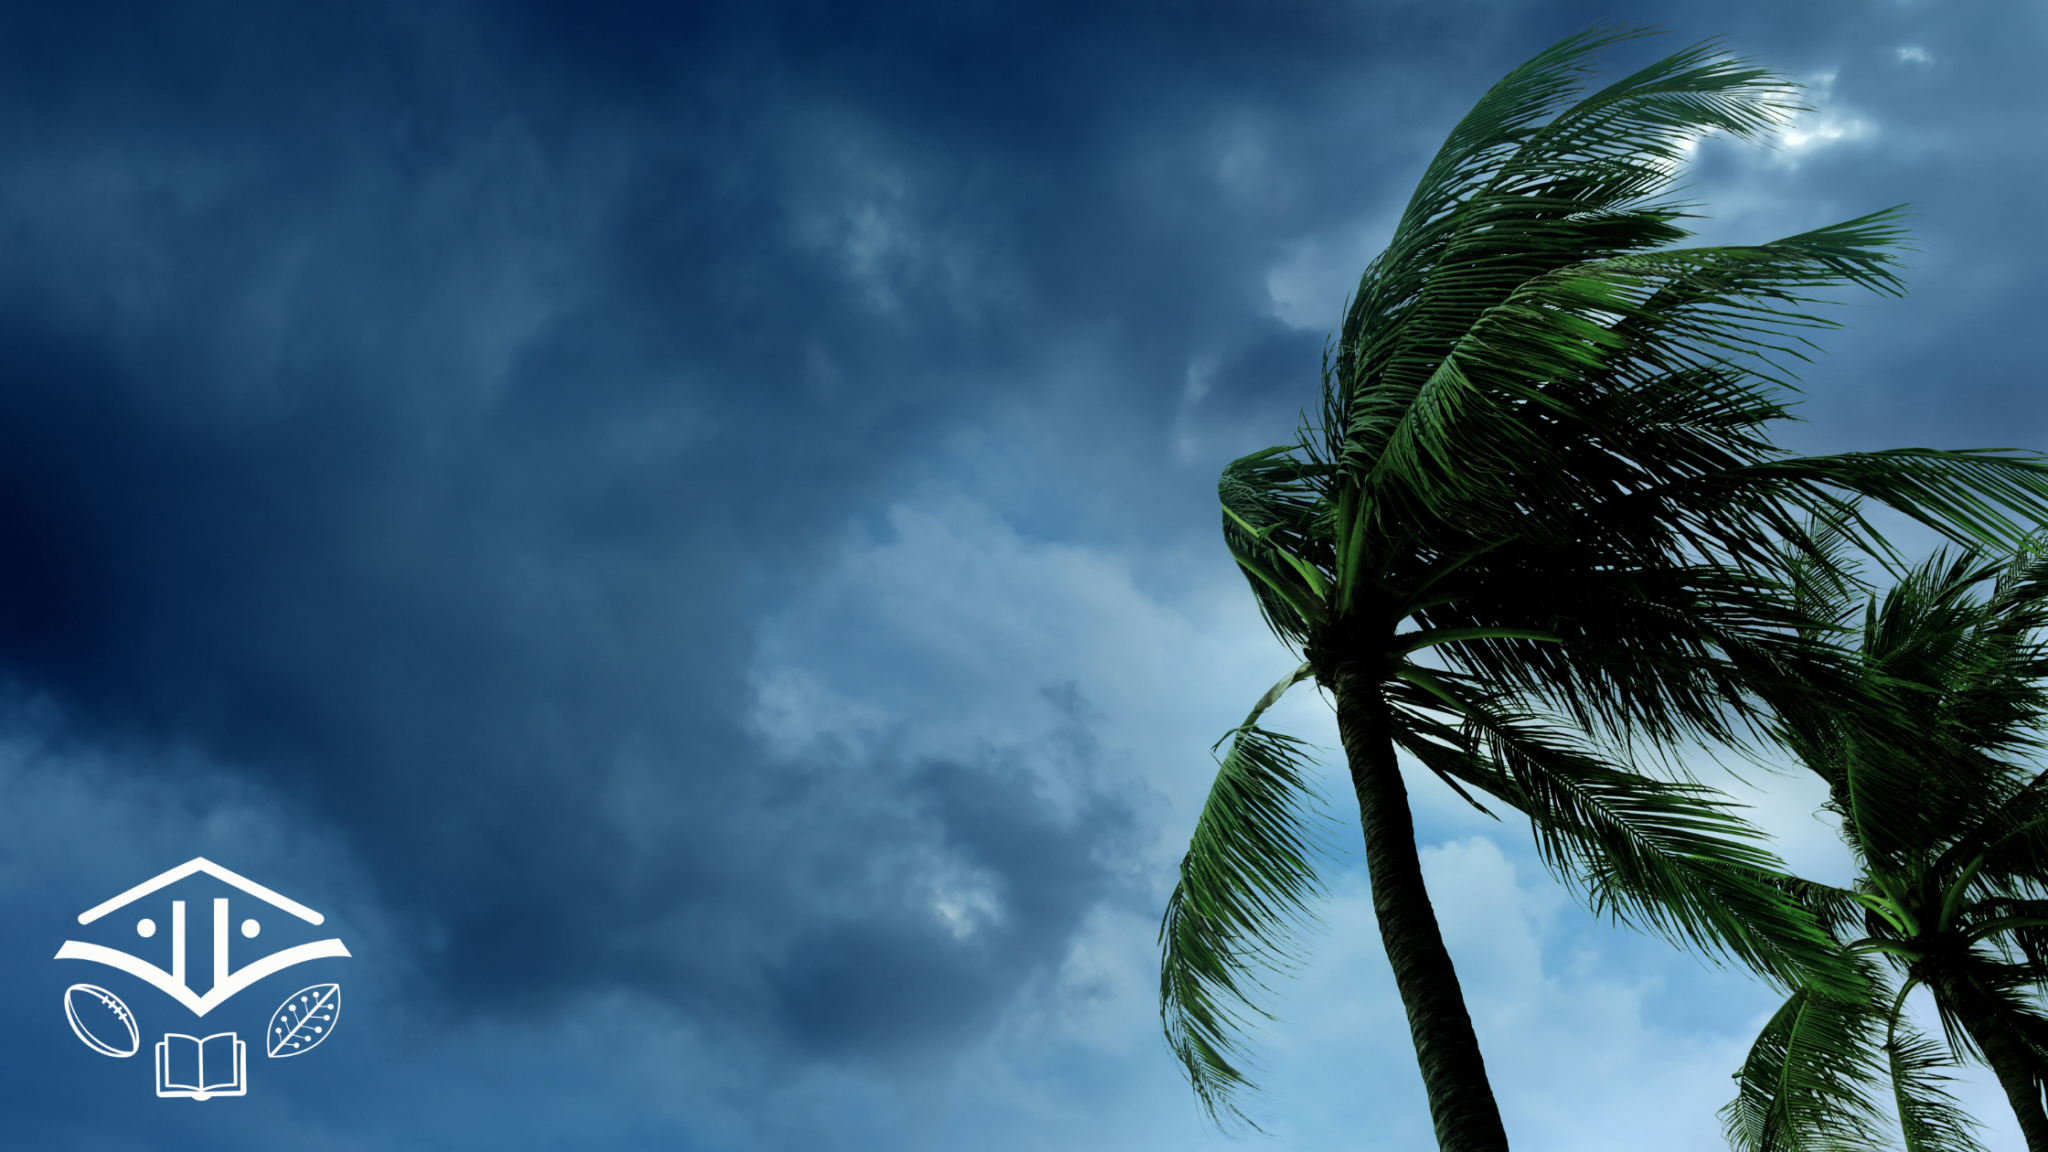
(2007,1055)
(1460,1100)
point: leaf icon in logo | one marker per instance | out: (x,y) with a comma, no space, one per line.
(303,1020)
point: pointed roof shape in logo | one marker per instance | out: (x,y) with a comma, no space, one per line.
(201,864)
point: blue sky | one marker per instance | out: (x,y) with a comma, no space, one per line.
(688,532)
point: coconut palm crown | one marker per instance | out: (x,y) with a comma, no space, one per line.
(1943,802)
(1534,538)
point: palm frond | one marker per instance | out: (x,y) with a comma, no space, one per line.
(1275,525)
(1834,909)
(2018,927)
(2017,859)
(1809,1080)
(1524,270)
(1663,856)
(1662,653)
(1931,1119)
(1987,998)
(1239,908)
(1962,494)
(1956,648)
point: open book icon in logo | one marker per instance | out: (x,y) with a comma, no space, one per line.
(196,1069)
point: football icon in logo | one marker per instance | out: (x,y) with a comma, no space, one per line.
(101,1020)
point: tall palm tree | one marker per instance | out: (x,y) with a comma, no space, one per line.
(1945,806)
(1533,539)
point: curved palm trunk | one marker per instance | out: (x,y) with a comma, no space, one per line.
(2008,1057)
(1460,1100)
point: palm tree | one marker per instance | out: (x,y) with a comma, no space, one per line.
(1947,816)
(1533,539)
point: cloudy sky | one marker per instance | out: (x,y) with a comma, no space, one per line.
(689,532)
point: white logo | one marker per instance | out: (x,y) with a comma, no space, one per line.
(191,1067)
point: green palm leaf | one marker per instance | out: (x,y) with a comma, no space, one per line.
(1810,1078)
(1244,894)
(1931,1119)
(1664,856)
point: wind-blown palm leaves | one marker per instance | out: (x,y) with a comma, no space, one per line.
(1250,869)
(1536,535)
(1947,815)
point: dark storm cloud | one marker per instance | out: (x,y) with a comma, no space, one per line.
(411,410)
